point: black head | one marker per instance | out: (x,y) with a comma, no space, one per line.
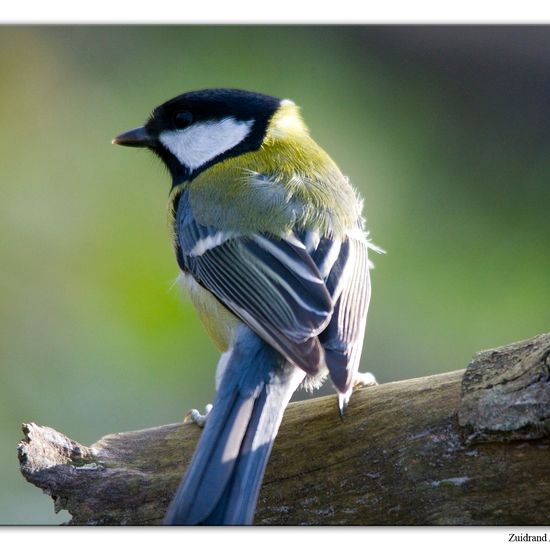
(197,129)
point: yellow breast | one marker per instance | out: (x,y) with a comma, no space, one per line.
(219,322)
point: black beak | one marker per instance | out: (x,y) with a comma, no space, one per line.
(138,137)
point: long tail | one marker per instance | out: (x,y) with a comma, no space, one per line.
(222,483)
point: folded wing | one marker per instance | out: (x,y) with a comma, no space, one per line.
(271,283)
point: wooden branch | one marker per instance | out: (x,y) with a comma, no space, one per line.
(451,449)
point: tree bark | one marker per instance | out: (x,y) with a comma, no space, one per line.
(463,448)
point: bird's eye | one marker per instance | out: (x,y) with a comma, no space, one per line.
(183,119)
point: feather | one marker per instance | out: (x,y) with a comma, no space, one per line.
(222,483)
(342,340)
(270,283)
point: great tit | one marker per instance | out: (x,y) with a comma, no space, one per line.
(270,241)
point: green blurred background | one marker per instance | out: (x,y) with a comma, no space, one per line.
(446,132)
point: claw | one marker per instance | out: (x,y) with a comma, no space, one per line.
(361,380)
(343,400)
(364,379)
(195,417)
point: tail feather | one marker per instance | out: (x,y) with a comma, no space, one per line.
(222,483)
(211,470)
(238,504)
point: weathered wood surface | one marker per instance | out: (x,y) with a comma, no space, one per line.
(450,449)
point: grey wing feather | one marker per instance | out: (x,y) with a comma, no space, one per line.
(348,281)
(271,283)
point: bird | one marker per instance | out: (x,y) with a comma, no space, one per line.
(271,246)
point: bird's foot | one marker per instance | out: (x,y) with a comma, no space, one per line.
(195,417)
(360,380)
(364,379)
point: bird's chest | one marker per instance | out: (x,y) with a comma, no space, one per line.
(219,322)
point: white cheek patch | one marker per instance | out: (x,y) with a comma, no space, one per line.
(203,141)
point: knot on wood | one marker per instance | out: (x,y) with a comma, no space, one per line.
(506,393)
